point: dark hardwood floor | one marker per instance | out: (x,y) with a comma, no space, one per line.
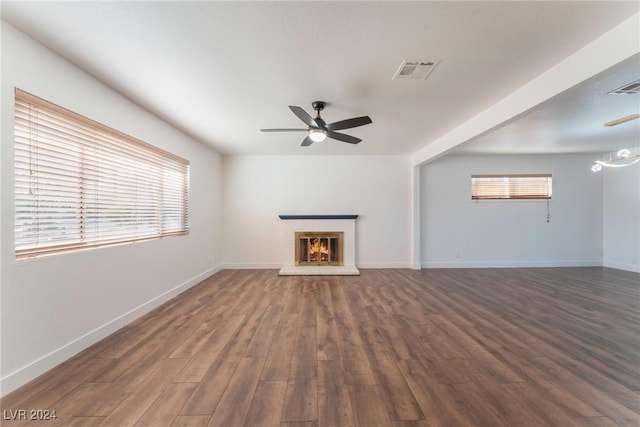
(401,348)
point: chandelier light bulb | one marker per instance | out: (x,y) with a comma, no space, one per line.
(596,167)
(624,153)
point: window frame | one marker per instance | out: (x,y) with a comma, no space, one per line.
(79,184)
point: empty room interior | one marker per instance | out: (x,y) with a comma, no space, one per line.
(320,214)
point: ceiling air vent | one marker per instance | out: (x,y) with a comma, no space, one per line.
(415,70)
(628,89)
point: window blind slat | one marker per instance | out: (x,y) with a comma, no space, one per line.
(80,184)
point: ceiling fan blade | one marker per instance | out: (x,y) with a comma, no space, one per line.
(342,137)
(306,142)
(349,123)
(302,115)
(621,120)
(283,130)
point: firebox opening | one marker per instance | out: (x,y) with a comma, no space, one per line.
(319,248)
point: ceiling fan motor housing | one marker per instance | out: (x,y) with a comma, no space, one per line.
(318,105)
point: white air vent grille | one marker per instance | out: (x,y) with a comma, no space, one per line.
(415,70)
(628,89)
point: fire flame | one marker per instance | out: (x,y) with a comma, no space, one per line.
(318,246)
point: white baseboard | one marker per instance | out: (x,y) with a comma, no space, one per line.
(32,370)
(618,266)
(510,264)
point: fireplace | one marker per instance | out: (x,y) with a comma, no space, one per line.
(319,248)
(318,245)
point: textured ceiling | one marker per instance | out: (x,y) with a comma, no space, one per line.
(220,71)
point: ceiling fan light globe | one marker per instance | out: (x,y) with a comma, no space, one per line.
(317,135)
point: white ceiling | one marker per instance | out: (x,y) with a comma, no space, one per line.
(220,71)
(573,121)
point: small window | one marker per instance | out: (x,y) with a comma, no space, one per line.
(499,187)
(80,184)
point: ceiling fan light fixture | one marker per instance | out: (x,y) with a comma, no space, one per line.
(317,135)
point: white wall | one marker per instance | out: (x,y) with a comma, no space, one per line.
(259,188)
(53,307)
(457,232)
(621,218)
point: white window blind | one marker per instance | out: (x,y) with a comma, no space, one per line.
(80,184)
(532,186)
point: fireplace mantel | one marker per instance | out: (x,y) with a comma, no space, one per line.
(345,224)
(309,217)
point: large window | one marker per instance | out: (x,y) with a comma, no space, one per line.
(497,187)
(80,184)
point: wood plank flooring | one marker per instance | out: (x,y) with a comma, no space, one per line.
(398,348)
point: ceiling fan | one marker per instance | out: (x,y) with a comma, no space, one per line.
(318,129)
